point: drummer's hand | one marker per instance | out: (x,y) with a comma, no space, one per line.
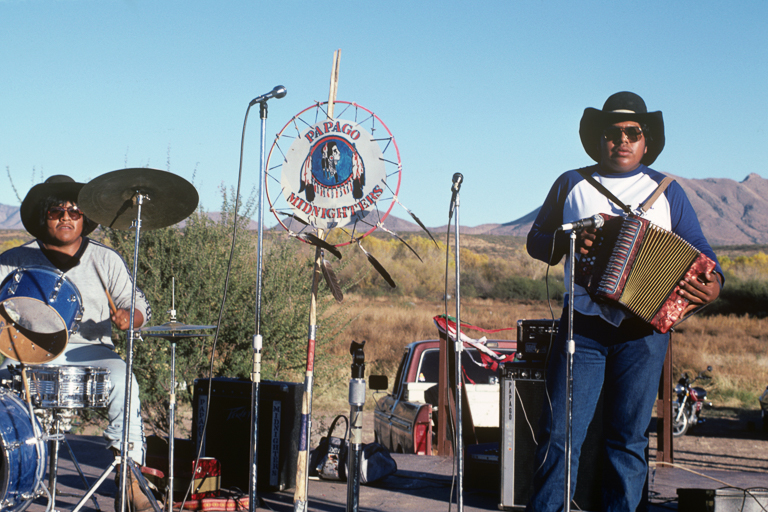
(585,240)
(122,319)
(702,290)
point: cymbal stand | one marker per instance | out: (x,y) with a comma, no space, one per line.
(124,459)
(172,400)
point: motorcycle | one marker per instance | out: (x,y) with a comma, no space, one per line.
(686,409)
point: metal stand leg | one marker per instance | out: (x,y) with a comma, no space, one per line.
(136,474)
(53,464)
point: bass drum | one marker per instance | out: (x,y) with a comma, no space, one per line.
(22,461)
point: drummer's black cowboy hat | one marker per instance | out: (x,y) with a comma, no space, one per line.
(622,106)
(58,186)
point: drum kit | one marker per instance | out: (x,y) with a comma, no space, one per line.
(40,308)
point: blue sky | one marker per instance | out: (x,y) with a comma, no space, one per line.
(493,90)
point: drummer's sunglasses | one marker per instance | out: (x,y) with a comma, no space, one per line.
(613,133)
(57,212)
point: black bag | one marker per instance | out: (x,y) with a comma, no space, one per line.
(376,463)
(329,459)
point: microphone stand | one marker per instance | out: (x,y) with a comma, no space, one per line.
(571,349)
(257,339)
(356,403)
(458,346)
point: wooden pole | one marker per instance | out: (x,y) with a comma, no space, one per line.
(302,466)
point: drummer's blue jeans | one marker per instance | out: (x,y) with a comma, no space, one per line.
(625,363)
(104,357)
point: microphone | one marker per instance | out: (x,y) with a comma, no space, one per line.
(595,221)
(278,92)
(457,179)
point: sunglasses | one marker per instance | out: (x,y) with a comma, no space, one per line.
(614,133)
(57,212)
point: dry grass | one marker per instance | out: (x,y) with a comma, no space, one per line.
(737,350)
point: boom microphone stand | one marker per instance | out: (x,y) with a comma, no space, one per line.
(571,348)
(277,92)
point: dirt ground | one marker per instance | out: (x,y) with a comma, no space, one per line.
(728,440)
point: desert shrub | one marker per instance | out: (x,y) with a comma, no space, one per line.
(515,287)
(197,257)
(741,297)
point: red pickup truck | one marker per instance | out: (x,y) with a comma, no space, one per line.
(403,418)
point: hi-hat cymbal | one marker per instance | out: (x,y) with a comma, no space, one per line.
(174,326)
(111,199)
(174,335)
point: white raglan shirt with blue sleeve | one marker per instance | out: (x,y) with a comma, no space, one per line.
(573,198)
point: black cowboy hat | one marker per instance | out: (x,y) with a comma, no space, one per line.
(59,186)
(622,106)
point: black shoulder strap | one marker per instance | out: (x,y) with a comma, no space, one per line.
(607,193)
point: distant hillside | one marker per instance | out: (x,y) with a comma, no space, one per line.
(730,212)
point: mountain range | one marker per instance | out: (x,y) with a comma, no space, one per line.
(730,212)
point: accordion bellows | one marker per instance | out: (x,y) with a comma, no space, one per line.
(639,265)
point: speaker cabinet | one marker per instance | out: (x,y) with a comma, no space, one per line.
(523,398)
(228,434)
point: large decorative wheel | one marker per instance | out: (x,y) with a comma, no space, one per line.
(341,173)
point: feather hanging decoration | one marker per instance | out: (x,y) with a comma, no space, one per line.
(379,268)
(294,217)
(381,226)
(317,242)
(331,281)
(418,221)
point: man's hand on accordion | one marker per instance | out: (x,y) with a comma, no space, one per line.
(700,291)
(586,240)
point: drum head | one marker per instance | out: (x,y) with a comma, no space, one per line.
(30,331)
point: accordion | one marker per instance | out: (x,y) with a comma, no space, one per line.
(638,265)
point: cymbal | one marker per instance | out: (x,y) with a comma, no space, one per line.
(173,327)
(110,199)
(174,335)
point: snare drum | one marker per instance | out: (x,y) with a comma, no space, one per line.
(64,387)
(23,456)
(39,309)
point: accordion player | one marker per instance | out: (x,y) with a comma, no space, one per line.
(638,265)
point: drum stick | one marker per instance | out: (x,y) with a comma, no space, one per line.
(112,307)
(26,385)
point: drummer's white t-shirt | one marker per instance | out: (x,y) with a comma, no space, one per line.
(96,260)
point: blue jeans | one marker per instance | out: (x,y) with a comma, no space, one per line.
(625,363)
(103,357)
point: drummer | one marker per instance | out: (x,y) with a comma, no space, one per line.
(50,213)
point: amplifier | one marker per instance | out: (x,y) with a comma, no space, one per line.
(722,500)
(534,338)
(228,435)
(523,398)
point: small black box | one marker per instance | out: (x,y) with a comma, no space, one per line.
(534,338)
(721,500)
